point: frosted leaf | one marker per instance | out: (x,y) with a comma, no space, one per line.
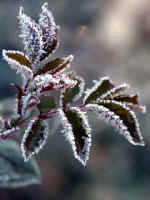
(65,65)
(117,122)
(114,91)
(128,118)
(70,95)
(100,87)
(77,132)
(32,37)
(131,101)
(49,66)
(57,65)
(46,82)
(17,57)
(136,107)
(127,98)
(18,61)
(49,31)
(34,138)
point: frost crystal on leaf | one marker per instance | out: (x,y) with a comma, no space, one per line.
(131,101)
(70,95)
(32,37)
(114,91)
(49,32)
(18,61)
(34,138)
(77,132)
(100,87)
(118,123)
(128,124)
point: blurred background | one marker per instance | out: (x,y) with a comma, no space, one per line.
(107,38)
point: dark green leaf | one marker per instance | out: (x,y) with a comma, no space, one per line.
(128,118)
(100,88)
(14,172)
(131,101)
(46,104)
(34,138)
(118,90)
(127,98)
(80,134)
(50,66)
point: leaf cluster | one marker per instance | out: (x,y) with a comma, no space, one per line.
(36,102)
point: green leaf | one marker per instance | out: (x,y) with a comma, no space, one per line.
(118,90)
(50,66)
(128,118)
(46,104)
(65,65)
(78,133)
(127,98)
(17,57)
(34,138)
(55,66)
(101,87)
(69,95)
(14,172)
(131,101)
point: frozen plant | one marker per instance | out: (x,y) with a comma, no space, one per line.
(36,103)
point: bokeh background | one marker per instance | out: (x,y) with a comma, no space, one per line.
(107,38)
